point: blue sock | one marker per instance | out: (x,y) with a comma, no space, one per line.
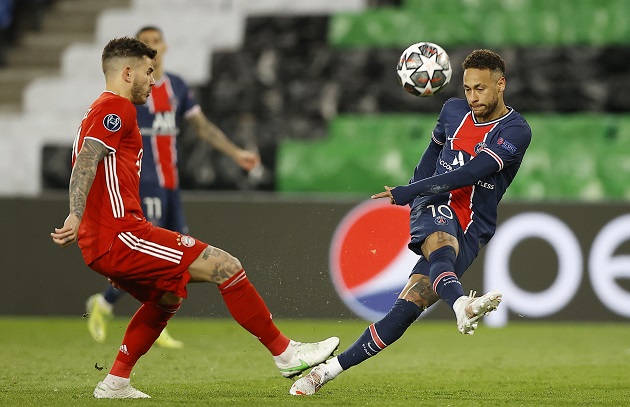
(112,294)
(380,334)
(442,273)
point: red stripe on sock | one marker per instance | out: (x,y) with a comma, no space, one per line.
(377,339)
(440,277)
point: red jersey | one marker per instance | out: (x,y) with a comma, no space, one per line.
(113,203)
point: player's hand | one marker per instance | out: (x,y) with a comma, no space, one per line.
(386,194)
(67,234)
(247,160)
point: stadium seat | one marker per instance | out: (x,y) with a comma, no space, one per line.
(258,7)
(576,156)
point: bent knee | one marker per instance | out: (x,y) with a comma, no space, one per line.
(233,265)
(214,265)
(224,270)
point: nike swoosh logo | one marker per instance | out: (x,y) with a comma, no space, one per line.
(302,366)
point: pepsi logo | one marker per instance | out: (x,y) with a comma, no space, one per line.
(369,259)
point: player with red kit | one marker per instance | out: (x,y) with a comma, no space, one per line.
(160,120)
(151,263)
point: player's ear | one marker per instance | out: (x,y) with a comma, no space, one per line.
(501,84)
(126,74)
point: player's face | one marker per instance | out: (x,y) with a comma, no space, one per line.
(484,90)
(154,39)
(142,81)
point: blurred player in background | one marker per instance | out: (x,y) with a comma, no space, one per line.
(475,151)
(151,263)
(160,121)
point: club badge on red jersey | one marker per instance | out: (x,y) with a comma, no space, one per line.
(186,241)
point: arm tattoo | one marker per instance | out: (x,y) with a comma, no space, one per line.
(83,174)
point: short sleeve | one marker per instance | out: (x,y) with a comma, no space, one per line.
(108,122)
(187,104)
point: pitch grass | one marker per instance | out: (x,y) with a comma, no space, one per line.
(51,362)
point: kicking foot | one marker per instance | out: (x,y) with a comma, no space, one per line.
(469,309)
(307,355)
(103,391)
(312,382)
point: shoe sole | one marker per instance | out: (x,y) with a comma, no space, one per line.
(490,304)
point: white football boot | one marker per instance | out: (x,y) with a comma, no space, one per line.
(302,356)
(312,382)
(469,309)
(103,391)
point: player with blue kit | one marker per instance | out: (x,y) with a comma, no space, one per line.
(475,152)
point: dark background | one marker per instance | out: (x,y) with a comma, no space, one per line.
(283,244)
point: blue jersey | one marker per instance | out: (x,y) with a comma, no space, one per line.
(160,121)
(468,166)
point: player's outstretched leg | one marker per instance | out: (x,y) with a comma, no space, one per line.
(301,356)
(375,338)
(250,311)
(469,309)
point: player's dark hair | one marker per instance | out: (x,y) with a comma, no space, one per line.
(149,28)
(125,47)
(484,59)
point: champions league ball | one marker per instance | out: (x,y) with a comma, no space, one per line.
(424,69)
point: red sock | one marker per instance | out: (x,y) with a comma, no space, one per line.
(142,331)
(250,311)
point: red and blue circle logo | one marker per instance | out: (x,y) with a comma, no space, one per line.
(369,259)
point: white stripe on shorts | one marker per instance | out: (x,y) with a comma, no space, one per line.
(150,248)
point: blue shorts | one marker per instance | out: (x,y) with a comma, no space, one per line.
(163,208)
(425,220)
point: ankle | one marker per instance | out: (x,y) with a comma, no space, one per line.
(287,354)
(333,367)
(116,382)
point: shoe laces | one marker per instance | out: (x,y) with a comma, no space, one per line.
(472,294)
(316,377)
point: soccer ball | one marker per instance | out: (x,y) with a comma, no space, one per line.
(424,69)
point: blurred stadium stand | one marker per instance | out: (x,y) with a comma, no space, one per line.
(311,85)
(52,104)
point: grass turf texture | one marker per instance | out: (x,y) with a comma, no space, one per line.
(51,362)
